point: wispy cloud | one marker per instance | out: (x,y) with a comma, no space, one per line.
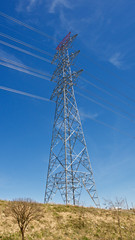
(95,21)
(58,3)
(85,115)
(116,60)
(97,27)
(27,5)
(31,5)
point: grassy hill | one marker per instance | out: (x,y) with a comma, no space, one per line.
(60,222)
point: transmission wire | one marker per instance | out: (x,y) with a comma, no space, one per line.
(20,33)
(26,25)
(45,99)
(108,85)
(116,129)
(105,91)
(24,66)
(109,103)
(103,106)
(24,93)
(48,100)
(25,44)
(20,69)
(109,71)
(25,51)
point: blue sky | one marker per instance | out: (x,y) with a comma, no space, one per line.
(106,36)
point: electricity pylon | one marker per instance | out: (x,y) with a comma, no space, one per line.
(69,167)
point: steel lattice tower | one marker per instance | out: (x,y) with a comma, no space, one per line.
(69,167)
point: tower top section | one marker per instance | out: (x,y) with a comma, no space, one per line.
(64,42)
(65,58)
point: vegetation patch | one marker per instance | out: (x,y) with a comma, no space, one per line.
(60,222)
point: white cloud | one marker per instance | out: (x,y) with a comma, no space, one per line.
(31,5)
(85,115)
(116,60)
(57,3)
(27,5)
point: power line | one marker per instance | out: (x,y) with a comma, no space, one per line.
(37,49)
(46,35)
(35,96)
(20,67)
(6,64)
(105,91)
(108,85)
(105,124)
(26,25)
(114,128)
(25,51)
(103,106)
(20,33)
(24,93)
(111,72)
(48,100)
(25,67)
(111,104)
(25,44)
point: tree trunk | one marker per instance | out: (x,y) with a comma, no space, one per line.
(22,232)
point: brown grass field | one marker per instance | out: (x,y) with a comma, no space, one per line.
(60,222)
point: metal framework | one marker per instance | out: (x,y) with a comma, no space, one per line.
(69,167)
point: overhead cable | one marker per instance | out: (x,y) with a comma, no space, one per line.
(108,85)
(105,91)
(25,44)
(109,71)
(21,69)
(109,103)
(48,100)
(25,51)
(114,128)
(103,106)
(20,33)
(27,26)
(24,93)
(25,67)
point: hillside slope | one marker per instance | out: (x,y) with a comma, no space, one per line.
(62,222)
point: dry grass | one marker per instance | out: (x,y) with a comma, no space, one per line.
(61,222)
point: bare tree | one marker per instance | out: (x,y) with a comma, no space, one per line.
(117,205)
(23,212)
